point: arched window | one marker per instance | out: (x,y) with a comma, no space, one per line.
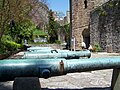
(85,3)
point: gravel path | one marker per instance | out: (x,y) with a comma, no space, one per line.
(94,80)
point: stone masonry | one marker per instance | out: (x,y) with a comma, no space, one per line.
(80,20)
(39,14)
(105,26)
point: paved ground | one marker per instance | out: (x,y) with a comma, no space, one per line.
(94,80)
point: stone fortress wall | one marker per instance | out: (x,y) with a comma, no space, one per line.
(80,20)
(105,26)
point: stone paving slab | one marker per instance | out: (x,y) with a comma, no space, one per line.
(94,80)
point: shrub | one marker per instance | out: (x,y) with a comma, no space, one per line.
(2,48)
(8,45)
(6,37)
(57,42)
(11,46)
(2,51)
(97,47)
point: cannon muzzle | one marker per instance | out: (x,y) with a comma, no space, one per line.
(45,68)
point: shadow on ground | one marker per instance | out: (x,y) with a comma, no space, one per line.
(94,88)
(6,85)
(2,87)
(9,88)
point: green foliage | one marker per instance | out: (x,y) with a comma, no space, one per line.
(6,37)
(37,43)
(97,47)
(2,42)
(11,46)
(39,32)
(66,30)
(53,28)
(110,4)
(58,42)
(8,45)
(26,28)
(2,48)
(16,10)
(113,3)
(23,30)
(2,51)
(101,11)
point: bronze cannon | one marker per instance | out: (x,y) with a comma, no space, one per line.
(51,53)
(45,68)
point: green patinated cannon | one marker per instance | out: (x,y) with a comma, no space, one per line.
(38,48)
(45,68)
(57,54)
(48,51)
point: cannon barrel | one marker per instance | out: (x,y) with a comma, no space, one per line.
(49,51)
(38,48)
(45,68)
(58,54)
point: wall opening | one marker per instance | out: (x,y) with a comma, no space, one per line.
(85,3)
(86,37)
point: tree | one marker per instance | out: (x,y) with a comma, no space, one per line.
(53,28)
(67,32)
(15,22)
(12,11)
(4,16)
(23,31)
(65,29)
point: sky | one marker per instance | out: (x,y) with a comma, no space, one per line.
(59,5)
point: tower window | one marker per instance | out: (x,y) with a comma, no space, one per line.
(85,3)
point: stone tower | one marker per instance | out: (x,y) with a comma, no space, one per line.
(80,21)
